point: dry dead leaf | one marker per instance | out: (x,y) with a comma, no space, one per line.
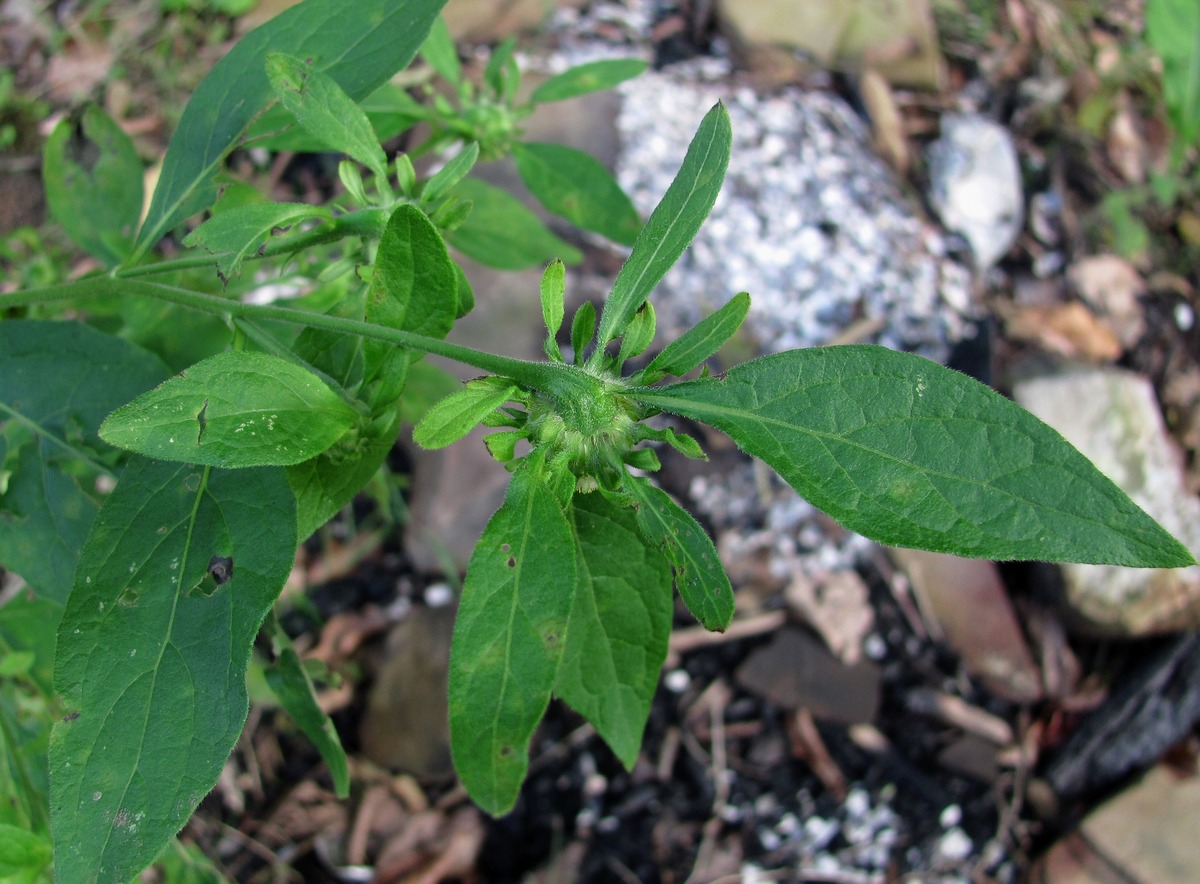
(1070,330)
(1111,286)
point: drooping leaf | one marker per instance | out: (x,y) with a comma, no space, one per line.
(701,580)
(236,409)
(502,233)
(360,52)
(458,414)
(1173,30)
(235,234)
(553,295)
(324,110)
(577,187)
(508,640)
(673,223)
(291,685)
(57,382)
(591,77)
(619,626)
(911,453)
(700,341)
(93,180)
(180,568)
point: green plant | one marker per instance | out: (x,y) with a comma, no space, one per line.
(160,582)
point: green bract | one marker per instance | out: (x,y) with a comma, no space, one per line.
(159,588)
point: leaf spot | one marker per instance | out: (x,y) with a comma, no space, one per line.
(202,420)
(96,796)
(70,716)
(129,597)
(220,568)
(512,562)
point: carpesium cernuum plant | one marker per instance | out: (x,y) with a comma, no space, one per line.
(166,443)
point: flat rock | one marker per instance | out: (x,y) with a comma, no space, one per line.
(489,21)
(1113,417)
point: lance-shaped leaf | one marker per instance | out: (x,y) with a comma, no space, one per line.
(673,223)
(93,181)
(619,626)
(360,52)
(57,382)
(181,566)
(508,640)
(458,414)
(577,187)
(591,77)
(583,326)
(441,53)
(701,580)
(910,453)
(236,409)
(700,341)
(455,170)
(236,233)
(553,295)
(502,233)
(324,110)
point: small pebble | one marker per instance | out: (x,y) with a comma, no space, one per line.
(677,680)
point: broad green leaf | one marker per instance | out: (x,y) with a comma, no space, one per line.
(237,409)
(152,655)
(1173,30)
(639,334)
(24,855)
(577,187)
(583,326)
(502,233)
(673,223)
(457,415)
(441,53)
(619,627)
(910,453)
(57,382)
(591,77)
(508,640)
(93,181)
(700,341)
(390,109)
(701,580)
(359,51)
(553,294)
(444,180)
(237,233)
(291,685)
(324,110)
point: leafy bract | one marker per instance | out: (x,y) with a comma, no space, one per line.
(458,414)
(619,626)
(700,341)
(360,51)
(235,234)
(553,296)
(577,187)
(455,170)
(324,111)
(673,223)
(508,640)
(93,181)
(701,580)
(57,382)
(910,453)
(502,233)
(237,409)
(590,77)
(152,655)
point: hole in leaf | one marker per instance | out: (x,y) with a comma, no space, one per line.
(129,597)
(220,569)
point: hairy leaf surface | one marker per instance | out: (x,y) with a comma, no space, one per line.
(702,340)
(235,234)
(911,453)
(152,655)
(456,415)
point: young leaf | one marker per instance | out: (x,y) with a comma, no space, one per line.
(441,53)
(554,287)
(508,640)
(575,186)
(502,233)
(591,77)
(502,73)
(234,234)
(360,52)
(701,580)
(57,381)
(583,326)
(673,223)
(450,174)
(619,627)
(457,415)
(700,341)
(152,655)
(93,180)
(294,689)
(233,410)
(639,334)
(910,453)
(324,111)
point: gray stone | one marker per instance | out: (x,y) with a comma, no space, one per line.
(1113,417)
